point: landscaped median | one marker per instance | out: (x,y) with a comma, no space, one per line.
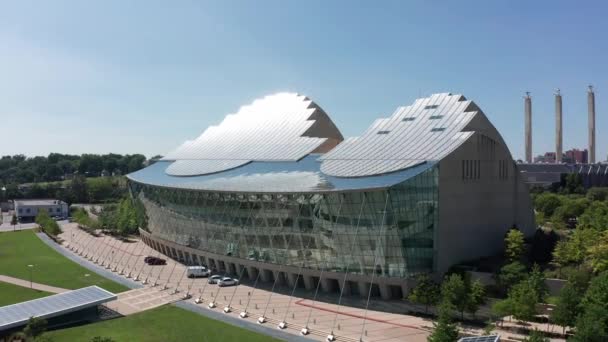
(23,248)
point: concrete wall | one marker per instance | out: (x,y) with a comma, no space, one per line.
(553,285)
(475,214)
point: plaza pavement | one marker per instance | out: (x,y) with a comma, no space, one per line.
(168,284)
(347,323)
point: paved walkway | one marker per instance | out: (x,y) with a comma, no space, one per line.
(35,286)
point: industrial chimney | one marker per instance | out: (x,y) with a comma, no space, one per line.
(558,126)
(528,119)
(591,110)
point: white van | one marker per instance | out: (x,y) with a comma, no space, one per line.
(197,271)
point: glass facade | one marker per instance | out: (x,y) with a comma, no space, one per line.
(389,232)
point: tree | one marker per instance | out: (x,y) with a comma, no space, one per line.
(454,291)
(99,189)
(595,216)
(576,249)
(573,183)
(598,254)
(597,194)
(570,209)
(444,330)
(523,299)
(514,244)
(537,282)
(502,308)
(35,327)
(136,162)
(47,224)
(79,189)
(566,309)
(511,274)
(476,296)
(597,292)
(592,325)
(543,244)
(426,292)
(127,218)
(14,221)
(536,336)
(547,203)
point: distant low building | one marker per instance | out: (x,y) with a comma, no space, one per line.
(573,156)
(547,158)
(547,175)
(28,209)
(576,156)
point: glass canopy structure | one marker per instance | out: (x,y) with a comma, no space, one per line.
(273,188)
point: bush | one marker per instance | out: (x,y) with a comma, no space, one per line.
(47,224)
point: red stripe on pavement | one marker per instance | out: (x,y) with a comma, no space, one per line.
(300,302)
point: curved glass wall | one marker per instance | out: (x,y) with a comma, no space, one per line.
(390,232)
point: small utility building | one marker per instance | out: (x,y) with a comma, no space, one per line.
(28,209)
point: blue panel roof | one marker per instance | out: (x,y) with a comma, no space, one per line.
(276,177)
(18,314)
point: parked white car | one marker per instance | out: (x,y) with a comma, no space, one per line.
(227,281)
(197,271)
(214,279)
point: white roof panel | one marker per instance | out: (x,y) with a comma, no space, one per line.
(434,128)
(274,128)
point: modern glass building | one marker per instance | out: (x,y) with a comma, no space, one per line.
(275,193)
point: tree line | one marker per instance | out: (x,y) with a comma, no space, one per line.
(19,169)
(77,190)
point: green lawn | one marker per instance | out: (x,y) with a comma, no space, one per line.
(163,324)
(11,294)
(22,248)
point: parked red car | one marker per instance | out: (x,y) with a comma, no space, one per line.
(150,260)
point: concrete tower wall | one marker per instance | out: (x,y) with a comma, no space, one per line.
(558,127)
(528,110)
(591,110)
(476,212)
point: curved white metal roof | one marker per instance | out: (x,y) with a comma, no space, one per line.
(426,131)
(280,127)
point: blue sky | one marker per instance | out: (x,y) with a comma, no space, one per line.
(143,76)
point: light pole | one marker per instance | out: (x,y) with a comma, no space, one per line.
(31,267)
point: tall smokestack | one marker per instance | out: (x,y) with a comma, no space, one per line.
(558,126)
(591,110)
(528,111)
